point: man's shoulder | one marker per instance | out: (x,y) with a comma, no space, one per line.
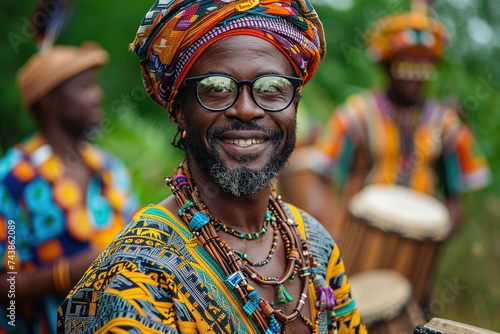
(158,224)
(320,242)
(152,239)
(152,230)
(310,223)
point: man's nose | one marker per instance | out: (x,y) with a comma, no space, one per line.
(245,107)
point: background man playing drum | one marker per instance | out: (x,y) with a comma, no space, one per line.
(396,136)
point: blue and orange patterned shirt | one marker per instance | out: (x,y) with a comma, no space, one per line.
(156,277)
(51,215)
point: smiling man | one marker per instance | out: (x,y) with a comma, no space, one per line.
(223,254)
(243,150)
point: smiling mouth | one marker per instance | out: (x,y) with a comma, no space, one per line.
(244,142)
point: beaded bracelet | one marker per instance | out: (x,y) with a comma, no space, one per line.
(60,276)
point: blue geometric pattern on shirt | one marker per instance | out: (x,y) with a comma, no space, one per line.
(48,224)
(24,238)
(25,199)
(8,207)
(37,195)
(98,207)
(14,185)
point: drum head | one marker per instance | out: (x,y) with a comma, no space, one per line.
(381,295)
(437,325)
(401,210)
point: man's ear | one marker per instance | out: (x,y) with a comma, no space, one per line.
(50,102)
(179,114)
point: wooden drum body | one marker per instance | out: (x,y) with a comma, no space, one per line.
(395,227)
(385,301)
(443,326)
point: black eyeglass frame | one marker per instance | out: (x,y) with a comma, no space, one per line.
(194,81)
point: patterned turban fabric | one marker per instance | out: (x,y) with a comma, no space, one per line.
(174,33)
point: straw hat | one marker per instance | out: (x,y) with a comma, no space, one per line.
(45,70)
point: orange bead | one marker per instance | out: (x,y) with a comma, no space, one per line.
(24,172)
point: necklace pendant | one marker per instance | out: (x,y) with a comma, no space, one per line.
(234,279)
(283,296)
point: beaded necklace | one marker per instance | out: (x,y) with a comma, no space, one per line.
(195,215)
(249,236)
(244,256)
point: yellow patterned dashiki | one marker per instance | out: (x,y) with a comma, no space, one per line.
(156,278)
(425,150)
(53,218)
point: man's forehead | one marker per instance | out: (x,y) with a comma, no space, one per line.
(244,44)
(87,75)
(243,52)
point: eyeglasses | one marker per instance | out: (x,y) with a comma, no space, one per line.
(270,92)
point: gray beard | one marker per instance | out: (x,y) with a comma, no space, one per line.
(243,181)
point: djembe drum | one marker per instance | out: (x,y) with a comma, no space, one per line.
(443,326)
(395,227)
(385,301)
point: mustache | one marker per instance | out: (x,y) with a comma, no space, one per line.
(239,125)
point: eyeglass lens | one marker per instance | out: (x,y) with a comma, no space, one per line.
(270,92)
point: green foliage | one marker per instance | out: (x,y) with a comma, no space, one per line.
(144,145)
(138,132)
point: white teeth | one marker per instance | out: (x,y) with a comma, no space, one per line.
(244,142)
(413,71)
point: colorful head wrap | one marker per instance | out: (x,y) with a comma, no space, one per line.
(45,70)
(174,33)
(410,33)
